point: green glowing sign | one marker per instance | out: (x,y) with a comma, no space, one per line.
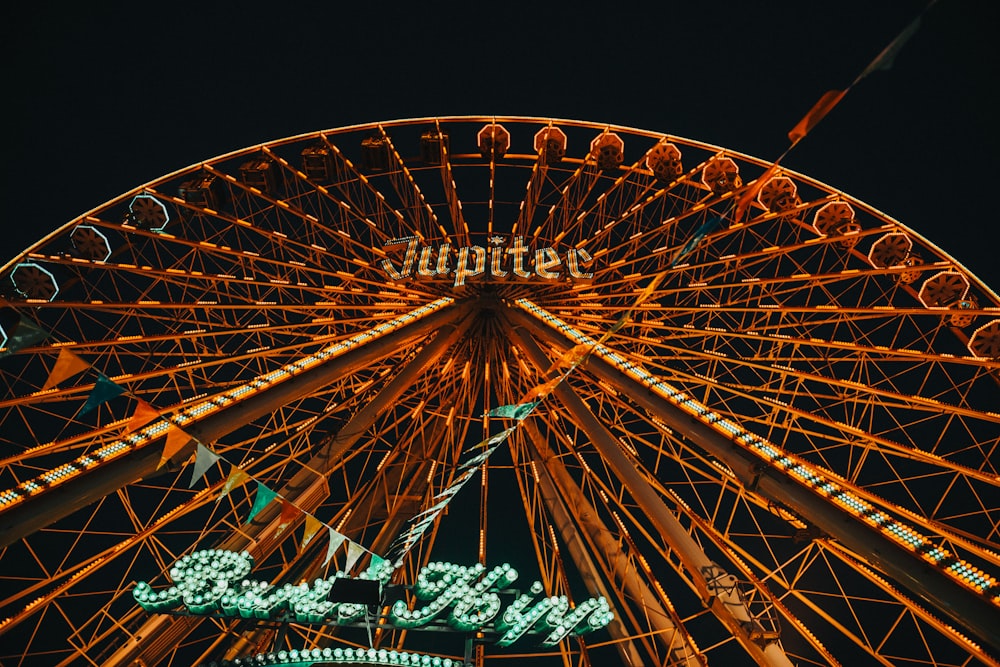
(215,582)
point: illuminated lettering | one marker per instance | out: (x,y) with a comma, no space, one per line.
(213,581)
(427,262)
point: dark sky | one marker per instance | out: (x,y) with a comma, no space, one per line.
(101,97)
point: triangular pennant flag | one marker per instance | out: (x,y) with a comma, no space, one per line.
(261,500)
(176,441)
(374,566)
(474,463)
(449,492)
(829,100)
(204,458)
(744,201)
(573,356)
(67,365)
(544,389)
(22,335)
(312,527)
(104,390)
(518,412)
(144,413)
(706,228)
(887,58)
(354,551)
(336,539)
(289,513)
(236,478)
(435,508)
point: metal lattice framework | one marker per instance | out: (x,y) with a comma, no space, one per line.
(784,453)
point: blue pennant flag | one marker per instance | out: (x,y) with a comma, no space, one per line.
(104,390)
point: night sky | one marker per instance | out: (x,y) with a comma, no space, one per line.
(102,97)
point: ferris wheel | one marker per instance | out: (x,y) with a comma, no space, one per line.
(756,417)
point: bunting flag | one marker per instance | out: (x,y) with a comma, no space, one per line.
(336,539)
(22,335)
(144,413)
(354,551)
(236,478)
(312,527)
(104,390)
(819,110)
(67,365)
(573,356)
(374,566)
(744,201)
(518,411)
(706,228)
(261,500)
(886,59)
(544,389)
(204,458)
(289,513)
(617,326)
(175,442)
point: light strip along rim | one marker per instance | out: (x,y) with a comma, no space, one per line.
(812,477)
(63,473)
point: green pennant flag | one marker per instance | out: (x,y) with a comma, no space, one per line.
(22,334)
(518,412)
(104,390)
(261,500)
(374,566)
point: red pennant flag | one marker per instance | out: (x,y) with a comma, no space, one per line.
(176,440)
(67,365)
(144,413)
(289,513)
(829,100)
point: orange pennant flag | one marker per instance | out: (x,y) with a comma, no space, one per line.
(236,478)
(312,527)
(67,365)
(574,355)
(829,100)
(743,203)
(542,390)
(289,513)
(144,413)
(176,440)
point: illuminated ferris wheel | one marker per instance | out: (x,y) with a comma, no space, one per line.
(757,418)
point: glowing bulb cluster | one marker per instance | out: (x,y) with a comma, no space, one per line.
(339,656)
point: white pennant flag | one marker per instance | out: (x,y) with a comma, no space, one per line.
(204,459)
(336,539)
(354,551)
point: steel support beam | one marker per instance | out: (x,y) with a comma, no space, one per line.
(307,489)
(961,605)
(570,509)
(49,506)
(712,582)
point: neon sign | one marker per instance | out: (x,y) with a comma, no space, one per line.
(214,582)
(517,262)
